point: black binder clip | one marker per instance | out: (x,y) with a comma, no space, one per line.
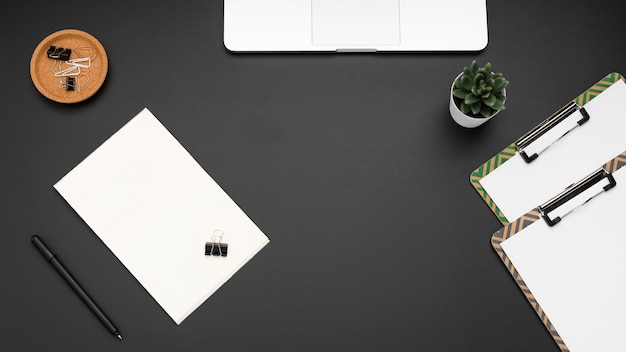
(216,247)
(70,83)
(575,190)
(547,125)
(59,53)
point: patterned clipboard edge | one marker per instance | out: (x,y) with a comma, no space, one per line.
(518,225)
(507,153)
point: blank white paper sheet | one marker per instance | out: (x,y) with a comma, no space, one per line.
(576,271)
(155,208)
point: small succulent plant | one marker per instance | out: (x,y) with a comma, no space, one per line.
(479,91)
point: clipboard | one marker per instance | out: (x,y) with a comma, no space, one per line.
(566,266)
(555,151)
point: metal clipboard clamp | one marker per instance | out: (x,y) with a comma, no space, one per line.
(573,191)
(547,125)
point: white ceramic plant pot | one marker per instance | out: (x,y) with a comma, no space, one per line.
(464,120)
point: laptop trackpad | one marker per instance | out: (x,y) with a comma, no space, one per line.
(355,22)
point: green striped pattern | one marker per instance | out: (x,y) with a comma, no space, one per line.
(477,175)
(484,170)
(597,88)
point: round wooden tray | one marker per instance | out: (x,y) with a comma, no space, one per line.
(87,82)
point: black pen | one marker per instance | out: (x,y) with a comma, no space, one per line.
(54,261)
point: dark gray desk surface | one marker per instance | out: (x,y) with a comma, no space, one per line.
(350,163)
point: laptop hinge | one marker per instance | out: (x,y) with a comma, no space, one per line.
(355,50)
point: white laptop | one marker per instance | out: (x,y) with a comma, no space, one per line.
(355,25)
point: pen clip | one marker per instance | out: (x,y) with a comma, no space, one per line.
(41,246)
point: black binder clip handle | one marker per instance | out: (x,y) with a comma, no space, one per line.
(59,53)
(216,247)
(575,190)
(52,52)
(70,83)
(546,126)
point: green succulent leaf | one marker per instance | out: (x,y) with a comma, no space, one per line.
(479,79)
(490,101)
(467,82)
(499,103)
(475,107)
(460,93)
(464,108)
(471,99)
(473,67)
(499,83)
(485,111)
